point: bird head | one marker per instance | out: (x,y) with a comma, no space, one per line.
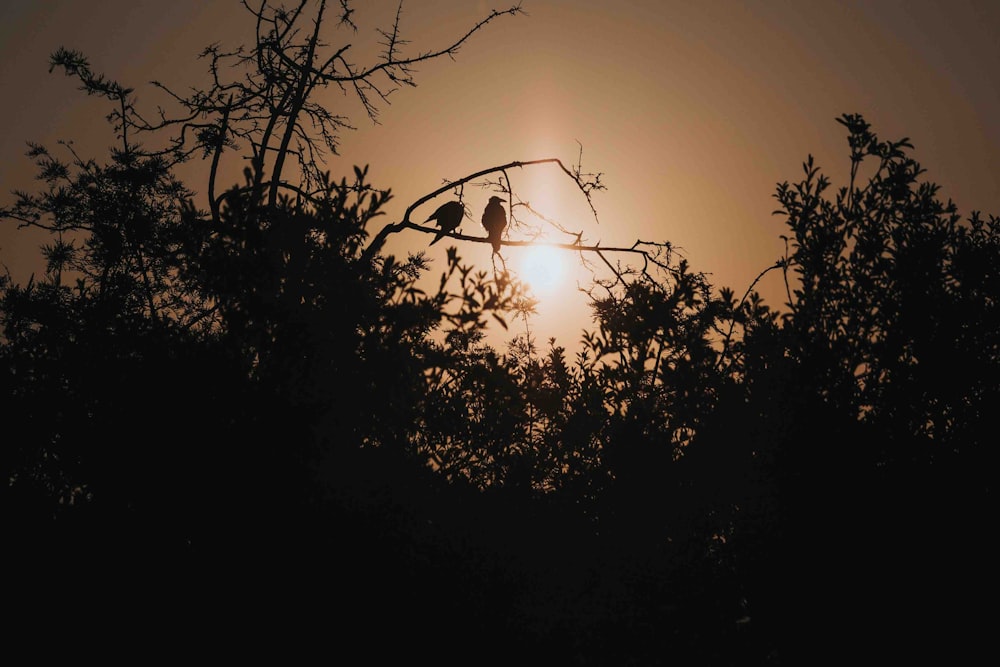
(496,199)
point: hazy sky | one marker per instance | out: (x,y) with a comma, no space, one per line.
(692,111)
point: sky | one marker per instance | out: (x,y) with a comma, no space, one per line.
(692,112)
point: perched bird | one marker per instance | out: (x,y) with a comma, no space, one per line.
(449,216)
(494,220)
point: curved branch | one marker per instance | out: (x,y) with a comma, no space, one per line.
(379,241)
(403,64)
(727,341)
(213,172)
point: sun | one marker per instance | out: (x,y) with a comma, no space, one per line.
(541,267)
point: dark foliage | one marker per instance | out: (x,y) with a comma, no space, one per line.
(240,414)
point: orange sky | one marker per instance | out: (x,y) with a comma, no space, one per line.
(692,111)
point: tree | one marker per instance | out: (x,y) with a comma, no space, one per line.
(308,378)
(258,390)
(867,409)
(273,289)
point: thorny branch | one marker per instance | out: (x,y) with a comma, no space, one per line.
(261,98)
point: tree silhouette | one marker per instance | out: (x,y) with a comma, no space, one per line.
(259,397)
(868,485)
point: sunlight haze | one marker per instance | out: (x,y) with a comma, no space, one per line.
(691,112)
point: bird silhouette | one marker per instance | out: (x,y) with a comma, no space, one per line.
(494,220)
(449,216)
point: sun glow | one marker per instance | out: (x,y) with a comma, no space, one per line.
(542,267)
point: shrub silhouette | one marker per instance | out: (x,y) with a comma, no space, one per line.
(257,393)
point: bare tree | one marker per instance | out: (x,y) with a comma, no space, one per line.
(261,98)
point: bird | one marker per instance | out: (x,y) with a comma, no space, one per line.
(494,220)
(449,216)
